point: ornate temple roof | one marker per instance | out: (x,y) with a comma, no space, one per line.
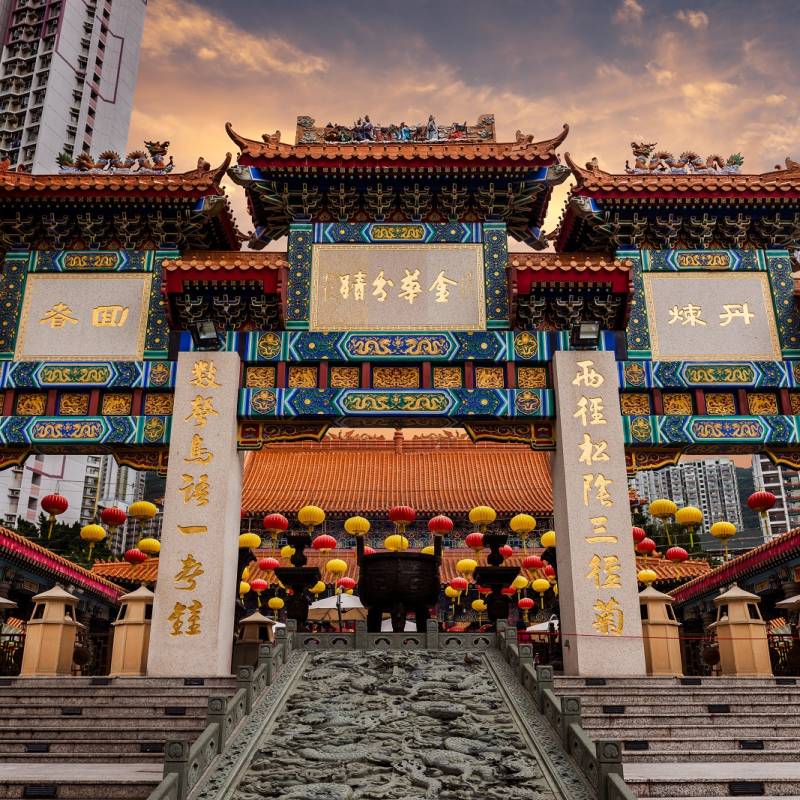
(669,207)
(198,181)
(523,149)
(222,261)
(766,556)
(147,571)
(434,475)
(39,559)
(594,181)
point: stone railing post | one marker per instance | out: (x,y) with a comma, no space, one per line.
(361,634)
(265,658)
(525,657)
(176,759)
(432,634)
(544,680)
(282,638)
(217,710)
(244,680)
(570,712)
(609,761)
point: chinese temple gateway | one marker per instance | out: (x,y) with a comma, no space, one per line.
(400,277)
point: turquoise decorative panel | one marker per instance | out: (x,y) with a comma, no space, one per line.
(704,430)
(150,430)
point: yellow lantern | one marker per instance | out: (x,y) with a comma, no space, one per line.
(317,588)
(540,586)
(555,589)
(349,591)
(690,517)
(249,540)
(428,550)
(548,539)
(275,603)
(521,582)
(310,516)
(646,576)
(395,543)
(723,531)
(287,551)
(523,525)
(356,526)
(246,574)
(244,588)
(93,534)
(149,545)
(451,593)
(336,566)
(482,516)
(662,509)
(479,607)
(142,510)
(466,566)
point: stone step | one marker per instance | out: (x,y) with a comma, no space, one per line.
(746,721)
(12,749)
(106,696)
(598,694)
(645,731)
(82,781)
(80,756)
(711,745)
(11,716)
(133,730)
(694,709)
(713,779)
(142,684)
(739,756)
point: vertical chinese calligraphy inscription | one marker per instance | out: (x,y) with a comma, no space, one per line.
(192,627)
(596,563)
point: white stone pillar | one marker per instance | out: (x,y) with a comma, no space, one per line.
(598,592)
(192,626)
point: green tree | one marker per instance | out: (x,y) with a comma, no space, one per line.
(65,540)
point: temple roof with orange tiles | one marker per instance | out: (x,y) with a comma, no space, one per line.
(369,475)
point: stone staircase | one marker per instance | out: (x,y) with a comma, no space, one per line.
(81,738)
(697,737)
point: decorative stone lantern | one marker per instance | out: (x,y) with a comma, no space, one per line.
(661,633)
(254,631)
(741,634)
(51,634)
(132,633)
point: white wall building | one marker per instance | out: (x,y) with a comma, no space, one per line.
(67,77)
(86,481)
(784,483)
(710,485)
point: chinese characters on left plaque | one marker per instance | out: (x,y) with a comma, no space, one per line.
(603,568)
(195,492)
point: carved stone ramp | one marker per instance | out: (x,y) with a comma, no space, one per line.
(399,725)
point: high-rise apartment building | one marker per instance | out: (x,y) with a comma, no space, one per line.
(67,77)
(784,483)
(710,485)
(86,481)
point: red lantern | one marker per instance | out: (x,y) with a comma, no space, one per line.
(54,504)
(275,524)
(506,551)
(508,591)
(459,584)
(346,583)
(135,556)
(474,541)
(646,546)
(369,551)
(440,524)
(268,564)
(532,562)
(484,590)
(113,516)
(676,554)
(638,534)
(525,604)
(402,516)
(258,585)
(761,501)
(549,571)
(324,543)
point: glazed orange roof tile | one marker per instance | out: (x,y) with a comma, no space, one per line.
(222,261)
(524,149)
(568,262)
(431,475)
(147,571)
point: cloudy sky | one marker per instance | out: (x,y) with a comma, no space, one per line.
(711,75)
